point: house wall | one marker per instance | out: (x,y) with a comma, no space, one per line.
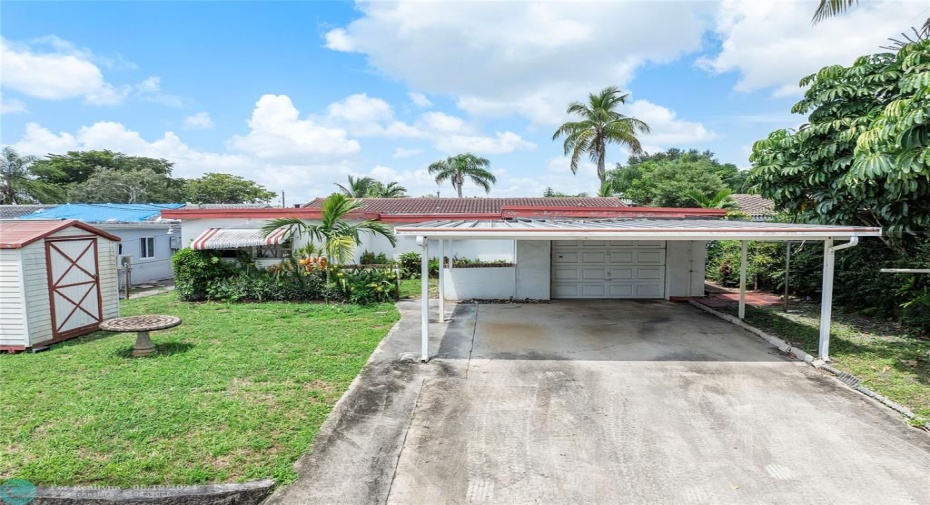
(12,299)
(533,269)
(482,283)
(145,269)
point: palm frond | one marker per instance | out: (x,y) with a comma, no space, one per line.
(831,8)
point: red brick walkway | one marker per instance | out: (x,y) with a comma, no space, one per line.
(723,297)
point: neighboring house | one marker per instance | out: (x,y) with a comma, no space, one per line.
(580,268)
(147,241)
(57,281)
(14,211)
(758,208)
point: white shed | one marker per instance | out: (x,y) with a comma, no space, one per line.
(57,281)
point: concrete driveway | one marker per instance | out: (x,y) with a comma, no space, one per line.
(604,402)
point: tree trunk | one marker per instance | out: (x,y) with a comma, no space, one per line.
(458,187)
(601,168)
(458,180)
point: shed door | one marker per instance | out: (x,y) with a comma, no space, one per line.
(74,285)
(608,269)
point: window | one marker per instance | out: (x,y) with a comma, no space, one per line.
(119,248)
(147,247)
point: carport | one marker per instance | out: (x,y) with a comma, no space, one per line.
(632,234)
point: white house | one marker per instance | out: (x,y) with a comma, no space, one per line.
(542,269)
(57,281)
(147,241)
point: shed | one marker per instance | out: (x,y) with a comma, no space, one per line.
(57,281)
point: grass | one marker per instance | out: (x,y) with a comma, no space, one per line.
(889,361)
(237,392)
(410,288)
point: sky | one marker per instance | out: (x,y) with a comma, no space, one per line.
(299,95)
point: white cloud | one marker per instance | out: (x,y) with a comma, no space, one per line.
(774,45)
(500,143)
(12,105)
(360,108)
(529,58)
(277,133)
(403,152)
(198,121)
(443,123)
(150,90)
(419,99)
(55,75)
(667,130)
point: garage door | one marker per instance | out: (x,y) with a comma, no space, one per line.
(608,269)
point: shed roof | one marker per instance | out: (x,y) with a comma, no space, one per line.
(754,205)
(18,234)
(469,205)
(631,229)
(103,213)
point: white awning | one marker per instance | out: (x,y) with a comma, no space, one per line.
(631,229)
(232,238)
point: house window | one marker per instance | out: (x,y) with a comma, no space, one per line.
(147,247)
(119,248)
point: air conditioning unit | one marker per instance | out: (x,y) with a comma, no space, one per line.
(174,242)
(124,260)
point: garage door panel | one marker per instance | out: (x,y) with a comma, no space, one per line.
(608,269)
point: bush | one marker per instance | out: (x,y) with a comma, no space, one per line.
(367,285)
(193,271)
(409,265)
(370,258)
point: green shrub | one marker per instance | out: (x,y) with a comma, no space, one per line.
(193,271)
(370,258)
(409,265)
(367,285)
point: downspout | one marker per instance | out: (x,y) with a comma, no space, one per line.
(826,302)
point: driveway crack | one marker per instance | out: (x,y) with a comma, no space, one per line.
(474,331)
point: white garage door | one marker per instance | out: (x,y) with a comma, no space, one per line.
(608,269)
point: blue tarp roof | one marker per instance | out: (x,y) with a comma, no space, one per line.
(105,212)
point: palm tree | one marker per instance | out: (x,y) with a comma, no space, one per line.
(357,188)
(457,168)
(18,183)
(721,200)
(832,8)
(389,190)
(335,235)
(600,124)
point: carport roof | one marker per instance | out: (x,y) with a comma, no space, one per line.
(631,229)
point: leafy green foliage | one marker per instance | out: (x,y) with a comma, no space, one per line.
(193,271)
(730,174)
(409,265)
(370,258)
(669,182)
(367,187)
(19,183)
(225,188)
(109,185)
(599,124)
(78,166)
(551,193)
(864,155)
(461,166)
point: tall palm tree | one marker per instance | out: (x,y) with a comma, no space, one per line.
(18,183)
(389,190)
(457,168)
(600,124)
(357,188)
(335,235)
(832,8)
(721,200)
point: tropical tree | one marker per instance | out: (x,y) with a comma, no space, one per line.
(599,124)
(551,193)
(461,166)
(864,155)
(18,183)
(389,190)
(664,180)
(335,235)
(721,200)
(110,185)
(225,188)
(357,187)
(832,8)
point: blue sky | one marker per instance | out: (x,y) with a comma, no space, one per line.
(298,95)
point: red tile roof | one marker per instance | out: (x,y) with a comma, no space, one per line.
(18,234)
(394,206)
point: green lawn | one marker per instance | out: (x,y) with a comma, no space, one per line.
(238,392)
(410,288)
(887,359)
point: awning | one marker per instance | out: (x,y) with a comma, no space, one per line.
(232,238)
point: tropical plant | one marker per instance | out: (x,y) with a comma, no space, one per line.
(389,190)
(551,193)
(18,183)
(864,155)
(606,189)
(461,166)
(721,200)
(357,187)
(600,124)
(666,182)
(335,235)
(832,8)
